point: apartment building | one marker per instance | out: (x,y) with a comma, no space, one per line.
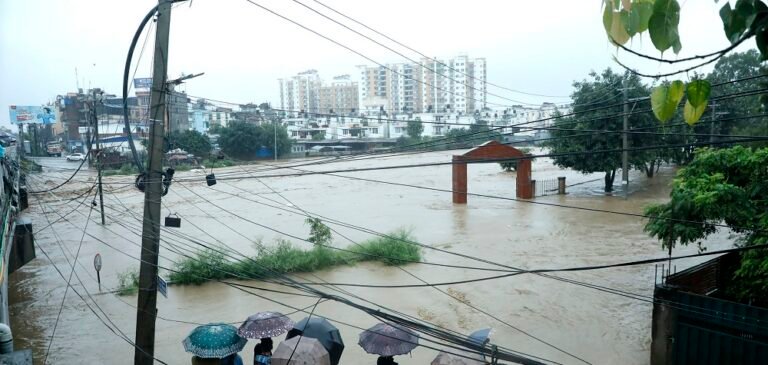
(454,85)
(340,97)
(435,86)
(301,92)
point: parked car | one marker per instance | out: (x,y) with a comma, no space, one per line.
(76,157)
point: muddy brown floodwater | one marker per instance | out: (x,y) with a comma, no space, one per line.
(598,327)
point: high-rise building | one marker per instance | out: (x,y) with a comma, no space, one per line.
(301,93)
(456,85)
(340,97)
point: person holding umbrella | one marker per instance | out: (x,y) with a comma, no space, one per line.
(388,341)
(262,352)
(386,360)
(264,325)
(215,343)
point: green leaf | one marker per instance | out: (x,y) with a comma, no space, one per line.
(665,99)
(618,32)
(663,24)
(761,38)
(639,15)
(736,21)
(698,92)
(692,114)
(607,18)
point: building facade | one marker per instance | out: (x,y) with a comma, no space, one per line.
(340,97)
(301,92)
(455,85)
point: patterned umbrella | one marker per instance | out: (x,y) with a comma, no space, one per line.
(387,340)
(214,340)
(448,359)
(265,324)
(302,351)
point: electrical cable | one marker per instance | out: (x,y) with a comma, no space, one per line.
(425,56)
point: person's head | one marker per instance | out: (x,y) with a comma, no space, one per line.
(266,344)
(385,360)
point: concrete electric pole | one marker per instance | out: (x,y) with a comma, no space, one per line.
(146,311)
(625,141)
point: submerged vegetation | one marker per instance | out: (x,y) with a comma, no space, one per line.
(393,249)
(127,282)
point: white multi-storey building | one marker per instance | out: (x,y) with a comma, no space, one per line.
(441,86)
(301,92)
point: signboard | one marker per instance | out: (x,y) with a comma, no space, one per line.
(142,83)
(162,286)
(25,114)
(97,266)
(97,262)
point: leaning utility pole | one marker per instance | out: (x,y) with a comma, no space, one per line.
(98,153)
(146,311)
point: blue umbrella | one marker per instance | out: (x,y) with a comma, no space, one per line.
(480,337)
(214,340)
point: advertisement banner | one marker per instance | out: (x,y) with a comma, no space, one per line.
(25,114)
(142,83)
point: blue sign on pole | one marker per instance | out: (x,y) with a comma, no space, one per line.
(142,83)
(162,286)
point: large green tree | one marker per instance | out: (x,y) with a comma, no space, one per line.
(596,111)
(268,138)
(193,142)
(241,140)
(733,67)
(414,129)
(721,186)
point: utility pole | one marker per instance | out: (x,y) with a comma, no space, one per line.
(97,98)
(146,311)
(712,124)
(274,149)
(625,141)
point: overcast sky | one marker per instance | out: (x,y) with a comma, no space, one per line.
(535,46)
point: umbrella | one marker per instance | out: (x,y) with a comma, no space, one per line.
(265,324)
(214,340)
(480,337)
(322,330)
(302,351)
(387,340)
(448,359)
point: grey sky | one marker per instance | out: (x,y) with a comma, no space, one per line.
(534,46)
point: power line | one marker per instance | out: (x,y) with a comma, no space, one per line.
(425,56)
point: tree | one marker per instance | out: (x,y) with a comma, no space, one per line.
(241,140)
(319,136)
(192,141)
(596,109)
(732,67)
(319,233)
(721,186)
(415,128)
(624,19)
(268,138)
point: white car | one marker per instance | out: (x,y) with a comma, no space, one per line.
(76,157)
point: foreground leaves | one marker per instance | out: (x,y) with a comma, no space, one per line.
(665,99)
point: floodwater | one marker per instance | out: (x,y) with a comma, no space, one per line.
(598,327)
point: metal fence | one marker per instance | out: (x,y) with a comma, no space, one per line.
(695,323)
(545,187)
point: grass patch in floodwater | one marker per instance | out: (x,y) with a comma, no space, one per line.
(286,258)
(127,282)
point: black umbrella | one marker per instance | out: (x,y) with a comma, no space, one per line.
(323,331)
(387,340)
